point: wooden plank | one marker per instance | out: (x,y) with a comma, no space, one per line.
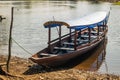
(74,39)
(45,54)
(63,48)
(84,36)
(68,43)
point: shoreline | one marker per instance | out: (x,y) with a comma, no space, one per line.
(24,69)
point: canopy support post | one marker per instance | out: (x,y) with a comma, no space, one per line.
(103,26)
(89,34)
(49,39)
(70,35)
(75,40)
(79,34)
(60,36)
(98,32)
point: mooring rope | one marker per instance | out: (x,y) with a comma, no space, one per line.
(56,27)
(21,47)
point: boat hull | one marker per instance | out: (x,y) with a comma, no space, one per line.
(63,58)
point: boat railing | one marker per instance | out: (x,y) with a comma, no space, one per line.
(93,38)
(62,37)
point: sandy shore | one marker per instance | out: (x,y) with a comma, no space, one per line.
(23,69)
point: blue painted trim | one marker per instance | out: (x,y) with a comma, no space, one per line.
(52,25)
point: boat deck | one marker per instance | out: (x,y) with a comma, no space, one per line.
(68,46)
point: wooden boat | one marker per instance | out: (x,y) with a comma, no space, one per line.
(84,34)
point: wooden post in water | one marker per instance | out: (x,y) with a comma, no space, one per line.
(10,38)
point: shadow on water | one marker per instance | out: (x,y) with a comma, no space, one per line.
(88,61)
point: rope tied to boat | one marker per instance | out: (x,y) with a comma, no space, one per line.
(21,47)
(56,27)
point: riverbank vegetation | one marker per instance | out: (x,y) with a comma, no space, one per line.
(117,3)
(23,69)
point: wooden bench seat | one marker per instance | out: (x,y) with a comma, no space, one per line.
(46,55)
(69,43)
(63,48)
(95,32)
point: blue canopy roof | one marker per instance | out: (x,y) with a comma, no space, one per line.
(89,21)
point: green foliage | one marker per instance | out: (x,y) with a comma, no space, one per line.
(117,3)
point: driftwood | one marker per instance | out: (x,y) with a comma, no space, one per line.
(2,72)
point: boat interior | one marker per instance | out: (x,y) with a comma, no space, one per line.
(68,43)
(82,33)
(81,40)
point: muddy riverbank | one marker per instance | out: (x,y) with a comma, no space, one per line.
(23,69)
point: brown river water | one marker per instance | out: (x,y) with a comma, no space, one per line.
(28,30)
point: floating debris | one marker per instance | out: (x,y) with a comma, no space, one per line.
(1,18)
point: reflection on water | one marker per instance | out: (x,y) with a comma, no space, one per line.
(29,32)
(91,60)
